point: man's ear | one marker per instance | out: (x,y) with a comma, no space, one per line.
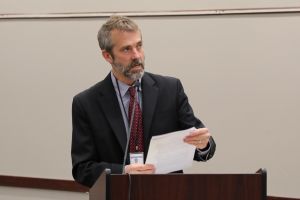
(107,56)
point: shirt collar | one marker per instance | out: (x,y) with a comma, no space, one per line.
(122,86)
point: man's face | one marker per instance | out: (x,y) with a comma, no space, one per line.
(128,58)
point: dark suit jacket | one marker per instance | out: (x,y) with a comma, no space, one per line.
(99,135)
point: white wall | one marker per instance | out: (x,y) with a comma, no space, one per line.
(241,73)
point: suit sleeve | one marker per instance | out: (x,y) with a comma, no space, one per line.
(86,165)
(187,119)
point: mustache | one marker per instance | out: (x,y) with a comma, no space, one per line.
(136,62)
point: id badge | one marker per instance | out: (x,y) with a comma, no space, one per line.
(137,157)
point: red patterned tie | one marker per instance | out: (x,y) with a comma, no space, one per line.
(136,134)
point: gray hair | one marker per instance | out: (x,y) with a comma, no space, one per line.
(114,23)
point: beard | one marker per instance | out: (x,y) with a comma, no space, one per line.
(126,69)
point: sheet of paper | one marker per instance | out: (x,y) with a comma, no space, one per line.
(169,153)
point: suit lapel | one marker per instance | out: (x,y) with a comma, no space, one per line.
(150,95)
(110,105)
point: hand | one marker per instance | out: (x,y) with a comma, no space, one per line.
(139,169)
(198,138)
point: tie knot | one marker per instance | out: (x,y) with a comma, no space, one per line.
(132,91)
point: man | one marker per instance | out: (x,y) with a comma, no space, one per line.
(111,111)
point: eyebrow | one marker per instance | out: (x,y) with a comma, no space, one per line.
(126,46)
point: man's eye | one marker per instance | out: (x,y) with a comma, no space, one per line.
(126,49)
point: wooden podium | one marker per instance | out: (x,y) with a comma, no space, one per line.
(180,187)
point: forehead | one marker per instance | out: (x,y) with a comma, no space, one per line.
(124,38)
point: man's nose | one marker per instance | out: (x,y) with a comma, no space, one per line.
(136,54)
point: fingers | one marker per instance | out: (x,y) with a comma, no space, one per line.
(198,135)
(198,132)
(199,138)
(140,169)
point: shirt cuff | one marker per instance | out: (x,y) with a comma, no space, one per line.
(203,153)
